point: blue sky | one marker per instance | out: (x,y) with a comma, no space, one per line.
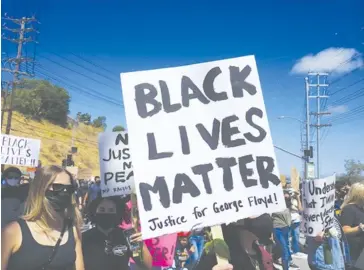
(113,36)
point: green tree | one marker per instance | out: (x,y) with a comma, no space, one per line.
(39,99)
(84,118)
(118,128)
(99,122)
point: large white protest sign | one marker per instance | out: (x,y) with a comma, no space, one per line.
(318,205)
(117,177)
(201,145)
(19,151)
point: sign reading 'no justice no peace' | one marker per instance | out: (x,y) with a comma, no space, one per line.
(201,145)
(117,177)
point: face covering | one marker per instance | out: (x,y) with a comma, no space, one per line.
(98,183)
(106,221)
(59,200)
(13,182)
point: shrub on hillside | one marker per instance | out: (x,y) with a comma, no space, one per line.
(39,99)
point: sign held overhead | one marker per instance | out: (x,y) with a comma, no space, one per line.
(200,135)
(19,151)
(117,177)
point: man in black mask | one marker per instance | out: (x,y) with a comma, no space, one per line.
(13,196)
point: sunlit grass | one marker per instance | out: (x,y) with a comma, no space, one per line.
(56,141)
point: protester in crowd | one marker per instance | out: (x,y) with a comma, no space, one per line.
(106,246)
(13,196)
(352,220)
(93,191)
(295,208)
(325,251)
(282,223)
(259,243)
(47,236)
(197,240)
(184,252)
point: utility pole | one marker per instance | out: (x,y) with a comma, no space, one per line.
(18,60)
(318,114)
(5,88)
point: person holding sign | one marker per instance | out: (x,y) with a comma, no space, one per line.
(107,246)
(352,219)
(324,251)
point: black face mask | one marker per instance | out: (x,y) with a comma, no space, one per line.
(98,183)
(60,200)
(106,221)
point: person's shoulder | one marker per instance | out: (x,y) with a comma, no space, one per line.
(11,230)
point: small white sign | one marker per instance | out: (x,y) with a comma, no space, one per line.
(117,176)
(201,146)
(19,151)
(318,205)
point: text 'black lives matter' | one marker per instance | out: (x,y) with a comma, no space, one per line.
(124,156)
(221,131)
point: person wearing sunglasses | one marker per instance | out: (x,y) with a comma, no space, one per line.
(47,236)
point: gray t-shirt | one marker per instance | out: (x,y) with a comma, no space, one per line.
(281,219)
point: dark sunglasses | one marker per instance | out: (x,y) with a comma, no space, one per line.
(65,188)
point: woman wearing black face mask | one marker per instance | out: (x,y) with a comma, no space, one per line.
(105,246)
(47,236)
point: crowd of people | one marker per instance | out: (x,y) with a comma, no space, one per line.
(42,221)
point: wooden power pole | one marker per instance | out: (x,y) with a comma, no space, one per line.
(21,39)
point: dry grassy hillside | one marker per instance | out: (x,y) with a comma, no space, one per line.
(56,141)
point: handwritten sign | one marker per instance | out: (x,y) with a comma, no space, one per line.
(19,151)
(318,205)
(162,249)
(117,177)
(201,145)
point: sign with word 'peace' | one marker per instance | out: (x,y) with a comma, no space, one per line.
(19,151)
(201,145)
(117,177)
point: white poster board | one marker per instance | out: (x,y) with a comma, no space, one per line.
(201,145)
(318,205)
(116,173)
(19,151)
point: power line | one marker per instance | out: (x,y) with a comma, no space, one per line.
(79,73)
(355,83)
(350,97)
(88,69)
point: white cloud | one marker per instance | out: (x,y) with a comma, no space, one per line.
(337,109)
(335,60)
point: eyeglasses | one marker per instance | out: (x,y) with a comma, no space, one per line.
(65,188)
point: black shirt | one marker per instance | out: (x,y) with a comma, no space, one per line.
(32,255)
(352,215)
(105,252)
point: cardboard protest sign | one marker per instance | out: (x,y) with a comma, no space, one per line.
(73,171)
(201,145)
(283,180)
(117,177)
(295,179)
(19,151)
(318,205)
(162,249)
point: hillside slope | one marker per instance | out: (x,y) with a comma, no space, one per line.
(56,141)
